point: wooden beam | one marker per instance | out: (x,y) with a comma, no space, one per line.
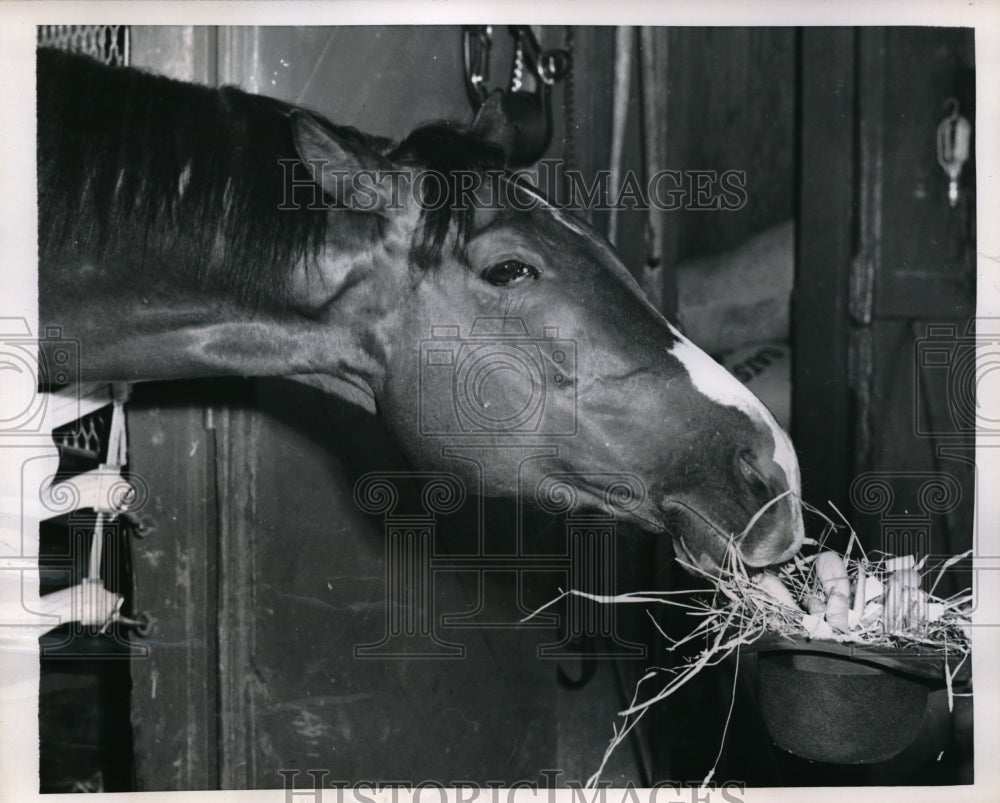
(822,403)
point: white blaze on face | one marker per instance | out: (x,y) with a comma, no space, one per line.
(710,378)
(715,382)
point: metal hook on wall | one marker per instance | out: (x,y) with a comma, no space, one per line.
(526,102)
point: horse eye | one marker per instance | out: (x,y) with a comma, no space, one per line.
(508,272)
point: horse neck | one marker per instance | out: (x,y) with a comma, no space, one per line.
(163,326)
(164,252)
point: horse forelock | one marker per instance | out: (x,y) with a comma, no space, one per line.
(448,148)
(444,148)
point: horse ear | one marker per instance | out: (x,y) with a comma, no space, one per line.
(339,160)
(492,123)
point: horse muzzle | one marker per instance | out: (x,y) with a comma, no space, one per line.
(704,544)
(775,535)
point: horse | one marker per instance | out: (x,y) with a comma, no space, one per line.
(188,231)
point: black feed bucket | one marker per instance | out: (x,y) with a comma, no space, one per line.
(839,705)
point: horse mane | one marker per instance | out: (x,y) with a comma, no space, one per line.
(148,173)
(445,147)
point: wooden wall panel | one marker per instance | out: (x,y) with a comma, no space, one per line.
(926,247)
(879,259)
(174,687)
(914,269)
(731,107)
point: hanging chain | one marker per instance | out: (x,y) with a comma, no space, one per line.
(569,113)
(517,71)
(477,41)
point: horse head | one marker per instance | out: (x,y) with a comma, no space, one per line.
(499,339)
(507,334)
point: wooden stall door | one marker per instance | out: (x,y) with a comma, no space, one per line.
(886,270)
(883,321)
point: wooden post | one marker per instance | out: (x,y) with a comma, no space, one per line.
(822,405)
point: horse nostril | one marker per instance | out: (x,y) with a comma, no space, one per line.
(752,476)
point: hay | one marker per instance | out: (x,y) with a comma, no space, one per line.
(887,610)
